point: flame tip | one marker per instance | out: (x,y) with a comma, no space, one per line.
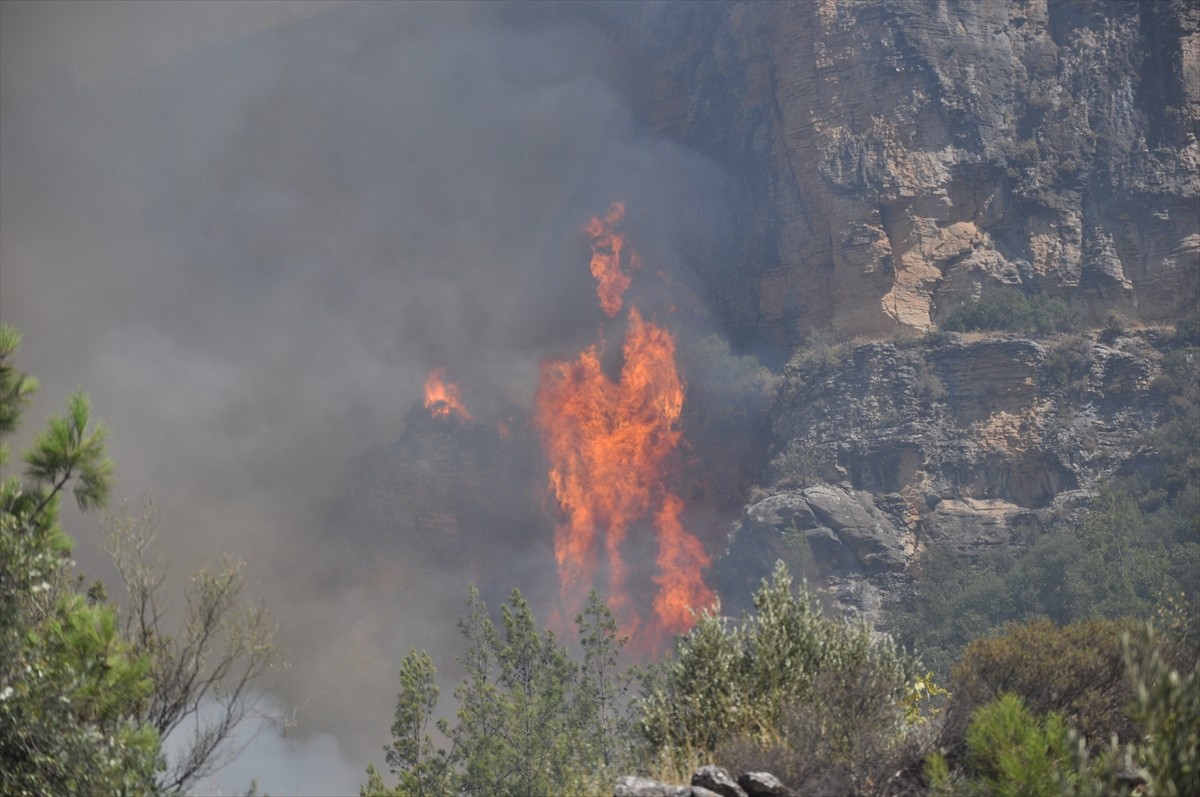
(442,397)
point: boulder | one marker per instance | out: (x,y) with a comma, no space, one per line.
(634,786)
(763,784)
(868,534)
(717,780)
(700,791)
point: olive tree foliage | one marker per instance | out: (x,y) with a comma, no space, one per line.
(784,686)
(1167,708)
(529,719)
(72,691)
(204,673)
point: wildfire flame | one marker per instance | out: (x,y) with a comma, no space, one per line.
(441,397)
(607,442)
(607,245)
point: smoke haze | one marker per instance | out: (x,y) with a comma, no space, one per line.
(250,230)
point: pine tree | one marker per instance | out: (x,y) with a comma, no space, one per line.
(603,689)
(71,690)
(529,719)
(422,768)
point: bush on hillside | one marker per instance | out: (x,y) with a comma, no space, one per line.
(1006,309)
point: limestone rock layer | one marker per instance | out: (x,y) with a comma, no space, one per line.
(888,159)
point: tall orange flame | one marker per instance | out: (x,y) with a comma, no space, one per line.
(607,442)
(441,397)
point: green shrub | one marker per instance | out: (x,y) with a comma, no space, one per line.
(786,687)
(1067,365)
(798,465)
(1167,708)
(1006,309)
(821,350)
(852,737)
(929,387)
(1010,753)
(1027,153)
(1008,750)
(1075,671)
(529,720)
(1187,331)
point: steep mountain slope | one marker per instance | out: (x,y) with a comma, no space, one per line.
(893,161)
(891,158)
(963,444)
(887,163)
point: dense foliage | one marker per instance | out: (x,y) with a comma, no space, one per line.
(783,678)
(529,720)
(1006,309)
(71,690)
(823,704)
(89,691)
(1029,739)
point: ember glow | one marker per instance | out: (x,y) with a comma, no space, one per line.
(441,397)
(607,442)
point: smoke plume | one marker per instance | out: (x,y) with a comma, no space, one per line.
(252,234)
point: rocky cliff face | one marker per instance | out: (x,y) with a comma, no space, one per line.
(965,443)
(890,158)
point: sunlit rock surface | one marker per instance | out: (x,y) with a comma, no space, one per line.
(890,157)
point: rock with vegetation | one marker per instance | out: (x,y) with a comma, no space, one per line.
(893,460)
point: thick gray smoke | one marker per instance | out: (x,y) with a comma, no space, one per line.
(250,231)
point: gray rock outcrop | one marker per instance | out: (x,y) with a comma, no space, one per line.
(716,780)
(886,452)
(763,784)
(707,781)
(634,786)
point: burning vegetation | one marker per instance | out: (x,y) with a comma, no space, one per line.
(607,441)
(441,397)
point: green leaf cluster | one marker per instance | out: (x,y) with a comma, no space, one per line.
(1167,708)
(1010,753)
